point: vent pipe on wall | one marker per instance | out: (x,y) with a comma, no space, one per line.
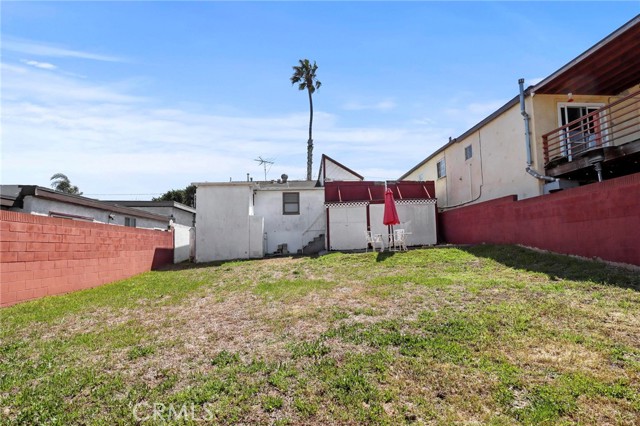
(527,138)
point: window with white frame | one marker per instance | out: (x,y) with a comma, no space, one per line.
(130,221)
(290,203)
(441,169)
(584,127)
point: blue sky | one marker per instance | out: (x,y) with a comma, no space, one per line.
(131,99)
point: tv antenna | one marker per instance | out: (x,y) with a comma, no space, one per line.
(265,162)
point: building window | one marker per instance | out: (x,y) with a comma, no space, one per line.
(130,221)
(291,203)
(442,171)
(585,132)
(468,152)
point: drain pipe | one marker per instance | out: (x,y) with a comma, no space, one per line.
(525,116)
(527,138)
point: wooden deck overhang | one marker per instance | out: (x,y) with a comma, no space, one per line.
(617,160)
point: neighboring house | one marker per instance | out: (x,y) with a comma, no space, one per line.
(577,126)
(181,214)
(183,222)
(42,201)
(239,220)
(227,226)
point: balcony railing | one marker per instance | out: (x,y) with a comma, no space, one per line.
(612,125)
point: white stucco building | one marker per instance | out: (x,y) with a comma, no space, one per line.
(242,220)
(227,227)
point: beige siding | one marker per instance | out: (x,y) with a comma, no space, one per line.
(428,172)
(496,169)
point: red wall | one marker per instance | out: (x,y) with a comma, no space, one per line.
(598,220)
(41,256)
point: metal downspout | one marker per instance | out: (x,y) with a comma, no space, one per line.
(525,116)
(527,138)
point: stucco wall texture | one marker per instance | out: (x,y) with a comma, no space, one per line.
(601,220)
(42,256)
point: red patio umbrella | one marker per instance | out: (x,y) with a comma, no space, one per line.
(390,217)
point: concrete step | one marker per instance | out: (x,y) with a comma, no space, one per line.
(314,246)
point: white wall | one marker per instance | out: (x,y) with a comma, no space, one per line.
(44,207)
(376,215)
(225,228)
(417,219)
(294,230)
(335,172)
(347,225)
(181,243)
(256,237)
(181,217)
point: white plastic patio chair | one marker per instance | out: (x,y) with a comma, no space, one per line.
(374,239)
(400,239)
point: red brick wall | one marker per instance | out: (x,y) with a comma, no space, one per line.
(599,220)
(42,256)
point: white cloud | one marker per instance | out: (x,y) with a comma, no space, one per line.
(109,141)
(42,49)
(485,108)
(41,65)
(385,105)
(533,81)
(472,113)
(25,83)
(424,121)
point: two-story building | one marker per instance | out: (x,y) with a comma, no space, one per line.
(579,125)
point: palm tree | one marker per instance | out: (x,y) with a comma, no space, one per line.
(304,75)
(60,182)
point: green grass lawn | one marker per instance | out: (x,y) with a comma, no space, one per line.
(484,335)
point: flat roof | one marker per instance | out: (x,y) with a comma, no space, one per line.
(290,184)
(235,183)
(163,203)
(268,185)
